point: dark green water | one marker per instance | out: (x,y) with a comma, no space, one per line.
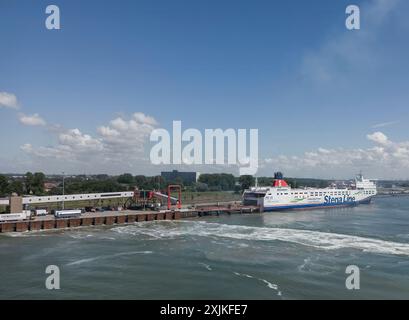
(282,255)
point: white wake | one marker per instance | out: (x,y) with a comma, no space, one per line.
(317,239)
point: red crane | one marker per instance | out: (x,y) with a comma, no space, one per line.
(179,189)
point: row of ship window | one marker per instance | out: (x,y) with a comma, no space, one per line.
(337,193)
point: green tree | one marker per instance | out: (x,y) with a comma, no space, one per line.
(126,178)
(34,183)
(3,185)
(265,181)
(38,183)
(55,191)
(140,181)
(246,181)
(201,187)
(218,181)
(28,183)
(15,186)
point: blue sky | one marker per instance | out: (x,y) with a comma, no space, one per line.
(289,68)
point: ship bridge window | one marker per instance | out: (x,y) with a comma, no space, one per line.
(255,195)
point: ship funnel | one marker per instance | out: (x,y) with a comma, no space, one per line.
(278,175)
(279,180)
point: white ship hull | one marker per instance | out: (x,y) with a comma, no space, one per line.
(283,197)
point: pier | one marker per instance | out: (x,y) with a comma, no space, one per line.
(109,218)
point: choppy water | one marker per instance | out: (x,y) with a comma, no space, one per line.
(282,255)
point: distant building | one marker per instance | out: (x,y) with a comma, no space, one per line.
(184,177)
(48,186)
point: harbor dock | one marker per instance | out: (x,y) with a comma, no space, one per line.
(108,218)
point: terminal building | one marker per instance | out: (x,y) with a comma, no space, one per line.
(184,177)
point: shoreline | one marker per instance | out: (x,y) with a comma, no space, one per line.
(115,218)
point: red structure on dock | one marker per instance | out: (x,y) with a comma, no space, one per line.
(179,201)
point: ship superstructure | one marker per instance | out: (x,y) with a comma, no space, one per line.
(281,196)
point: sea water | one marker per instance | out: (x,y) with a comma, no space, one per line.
(279,255)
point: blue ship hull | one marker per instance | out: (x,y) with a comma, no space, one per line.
(317,205)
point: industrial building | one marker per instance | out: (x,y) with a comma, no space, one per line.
(183,177)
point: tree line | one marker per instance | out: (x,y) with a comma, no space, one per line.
(33,183)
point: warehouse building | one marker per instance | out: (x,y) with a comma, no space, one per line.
(184,177)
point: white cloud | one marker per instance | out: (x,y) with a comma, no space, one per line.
(8,100)
(378,137)
(384,124)
(118,146)
(76,140)
(108,132)
(128,135)
(60,152)
(31,120)
(142,118)
(386,159)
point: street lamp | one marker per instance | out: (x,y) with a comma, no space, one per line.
(63,189)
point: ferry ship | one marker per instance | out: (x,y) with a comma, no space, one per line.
(280,196)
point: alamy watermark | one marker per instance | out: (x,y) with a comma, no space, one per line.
(353,281)
(191,148)
(52,22)
(52,282)
(353,20)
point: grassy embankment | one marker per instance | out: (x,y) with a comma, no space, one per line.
(188,197)
(209,196)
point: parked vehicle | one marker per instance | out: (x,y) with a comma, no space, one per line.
(67,213)
(8,217)
(41,212)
